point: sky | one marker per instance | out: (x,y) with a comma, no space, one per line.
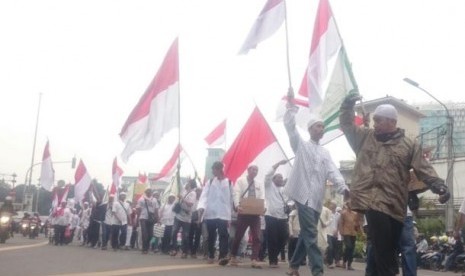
(91,61)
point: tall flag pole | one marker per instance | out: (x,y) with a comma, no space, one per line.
(158,109)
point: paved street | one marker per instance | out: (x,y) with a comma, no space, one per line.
(24,257)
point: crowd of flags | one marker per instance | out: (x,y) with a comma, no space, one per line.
(327,80)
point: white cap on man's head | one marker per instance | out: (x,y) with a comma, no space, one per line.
(314,118)
(386,110)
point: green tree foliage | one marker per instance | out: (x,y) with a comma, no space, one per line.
(432,226)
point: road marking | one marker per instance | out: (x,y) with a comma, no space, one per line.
(132,271)
(23,246)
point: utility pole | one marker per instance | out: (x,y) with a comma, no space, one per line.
(450,158)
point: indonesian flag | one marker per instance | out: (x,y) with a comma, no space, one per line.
(116,172)
(326,43)
(268,22)
(170,167)
(341,80)
(82,182)
(217,136)
(47,174)
(257,145)
(157,111)
(59,194)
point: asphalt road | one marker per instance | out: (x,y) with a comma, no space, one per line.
(24,257)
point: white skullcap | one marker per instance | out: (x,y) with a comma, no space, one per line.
(314,118)
(387,111)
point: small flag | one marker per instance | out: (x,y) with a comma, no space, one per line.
(47,174)
(268,22)
(217,136)
(169,169)
(82,182)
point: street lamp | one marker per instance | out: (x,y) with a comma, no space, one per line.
(450,157)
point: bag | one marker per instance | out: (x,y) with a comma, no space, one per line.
(67,232)
(287,209)
(151,218)
(158,230)
(177,208)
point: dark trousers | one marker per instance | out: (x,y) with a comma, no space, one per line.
(263,245)
(178,224)
(244,221)
(194,237)
(333,250)
(93,232)
(277,232)
(385,235)
(291,247)
(349,248)
(60,234)
(118,235)
(165,241)
(106,232)
(214,225)
(146,231)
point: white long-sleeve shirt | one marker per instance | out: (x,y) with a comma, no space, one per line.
(274,198)
(166,214)
(216,199)
(312,168)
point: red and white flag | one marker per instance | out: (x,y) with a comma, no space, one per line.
(268,22)
(328,78)
(170,167)
(326,43)
(116,172)
(217,136)
(59,194)
(47,174)
(82,182)
(157,111)
(255,144)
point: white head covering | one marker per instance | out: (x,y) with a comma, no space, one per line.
(386,110)
(314,118)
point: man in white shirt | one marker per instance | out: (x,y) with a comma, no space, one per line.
(247,187)
(84,222)
(276,226)
(146,209)
(167,219)
(121,216)
(182,220)
(106,225)
(214,207)
(62,217)
(313,167)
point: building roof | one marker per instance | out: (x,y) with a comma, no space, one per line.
(371,105)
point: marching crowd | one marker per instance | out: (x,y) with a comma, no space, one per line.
(218,215)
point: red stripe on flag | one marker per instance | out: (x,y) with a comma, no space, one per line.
(167,75)
(216,133)
(251,141)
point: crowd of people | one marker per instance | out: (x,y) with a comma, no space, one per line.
(218,220)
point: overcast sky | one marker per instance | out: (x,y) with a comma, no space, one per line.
(92,61)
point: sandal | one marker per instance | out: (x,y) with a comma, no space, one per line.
(292,272)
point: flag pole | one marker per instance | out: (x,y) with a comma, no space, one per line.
(287,45)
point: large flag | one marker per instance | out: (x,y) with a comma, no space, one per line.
(169,168)
(217,136)
(47,174)
(255,144)
(341,81)
(326,43)
(268,22)
(82,182)
(157,111)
